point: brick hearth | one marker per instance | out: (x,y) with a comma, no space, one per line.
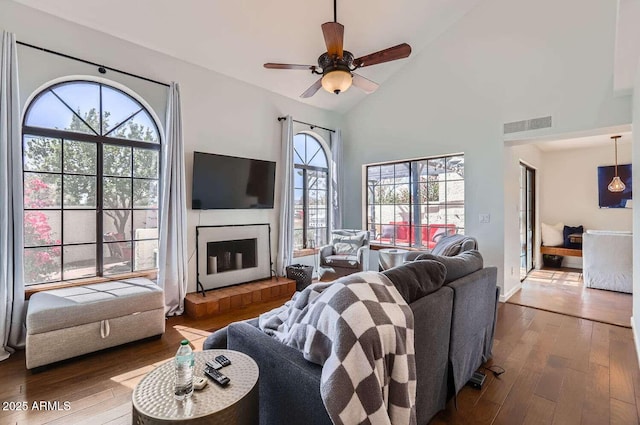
(236,297)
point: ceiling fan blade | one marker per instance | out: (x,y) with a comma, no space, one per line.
(333,37)
(288,66)
(364,84)
(313,89)
(392,53)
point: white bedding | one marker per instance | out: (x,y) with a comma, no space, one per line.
(608,260)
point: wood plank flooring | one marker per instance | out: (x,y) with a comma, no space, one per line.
(559,370)
(563,291)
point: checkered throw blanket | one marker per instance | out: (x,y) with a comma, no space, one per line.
(360,329)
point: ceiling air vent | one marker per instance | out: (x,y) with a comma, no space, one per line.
(525,125)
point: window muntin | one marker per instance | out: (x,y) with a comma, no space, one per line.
(91,164)
(414,203)
(92,108)
(311,193)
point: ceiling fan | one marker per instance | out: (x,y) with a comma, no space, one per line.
(336,65)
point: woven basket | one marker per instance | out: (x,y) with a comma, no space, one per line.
(301,274)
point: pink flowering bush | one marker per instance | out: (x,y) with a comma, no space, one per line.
(40,264)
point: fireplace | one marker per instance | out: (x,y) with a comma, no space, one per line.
(229,255)
(224,256)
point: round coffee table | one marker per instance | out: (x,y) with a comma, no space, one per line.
(237,403)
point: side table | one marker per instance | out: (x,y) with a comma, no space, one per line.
(391,257)
(237,403)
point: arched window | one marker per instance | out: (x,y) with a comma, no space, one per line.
(91,175)
(311,178)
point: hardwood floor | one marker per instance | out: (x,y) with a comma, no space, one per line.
(559,370)
(563,291)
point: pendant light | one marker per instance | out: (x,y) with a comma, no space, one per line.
(616,184)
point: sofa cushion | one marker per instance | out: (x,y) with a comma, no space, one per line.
(456,267)
(347,245)
(454,244)
(552,234)
(342,261)
(417,279)
(78,305)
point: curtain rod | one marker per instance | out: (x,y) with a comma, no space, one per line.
(306,123)
(101,68)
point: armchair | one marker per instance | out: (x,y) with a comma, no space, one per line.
(347,253)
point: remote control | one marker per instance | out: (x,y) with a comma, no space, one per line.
(199,382)
(214,364)
(223,360)
(219,378)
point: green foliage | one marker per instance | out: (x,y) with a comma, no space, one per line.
(78,161)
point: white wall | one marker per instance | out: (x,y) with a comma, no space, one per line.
(514,155)
(635,319)
(577,169)
(220,114)
(506,60)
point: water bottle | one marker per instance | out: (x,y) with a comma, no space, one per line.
(184,371)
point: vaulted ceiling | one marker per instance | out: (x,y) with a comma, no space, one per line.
(236,37)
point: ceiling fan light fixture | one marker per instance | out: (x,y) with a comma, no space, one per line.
(337,81)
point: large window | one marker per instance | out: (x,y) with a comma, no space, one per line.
(91,166)
(415,203)
(311,177)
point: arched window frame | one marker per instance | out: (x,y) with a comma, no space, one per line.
(128,246)
(318,238)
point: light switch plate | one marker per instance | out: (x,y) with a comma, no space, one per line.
(484,218)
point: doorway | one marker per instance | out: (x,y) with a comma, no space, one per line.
(527,210)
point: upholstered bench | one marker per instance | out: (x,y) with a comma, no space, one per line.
(68,322)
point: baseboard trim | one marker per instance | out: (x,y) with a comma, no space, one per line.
(636,340)
(504,298)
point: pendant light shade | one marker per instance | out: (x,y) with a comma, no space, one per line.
(616,184)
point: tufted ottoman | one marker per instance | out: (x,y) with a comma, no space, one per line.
(68,322)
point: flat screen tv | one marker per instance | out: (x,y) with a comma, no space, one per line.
(608,199)
(229,182)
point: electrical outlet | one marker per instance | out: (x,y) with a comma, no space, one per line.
(484,218)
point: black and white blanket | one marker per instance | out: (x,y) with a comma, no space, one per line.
(360,329)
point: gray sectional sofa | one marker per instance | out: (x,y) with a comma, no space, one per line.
(454,307)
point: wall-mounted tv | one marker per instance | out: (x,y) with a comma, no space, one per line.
(608,199)
(229,182)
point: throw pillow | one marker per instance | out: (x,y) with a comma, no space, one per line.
(347,245)
(448,245)
(568,230)
(417,279)
(552,234)
(458,266)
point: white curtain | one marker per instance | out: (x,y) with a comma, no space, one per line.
(285,233)
(336,180)
(172,273)
(11,267)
